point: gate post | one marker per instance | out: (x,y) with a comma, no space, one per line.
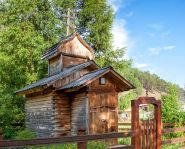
(135,141)
(157,108)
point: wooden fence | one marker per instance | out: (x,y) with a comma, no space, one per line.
(144,133)
(167,128)
(80,140)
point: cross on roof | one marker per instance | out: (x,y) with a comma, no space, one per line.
(70,21)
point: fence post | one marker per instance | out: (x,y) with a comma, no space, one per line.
(1,134)
(81,145)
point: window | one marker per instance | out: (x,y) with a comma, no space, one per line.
(54,67)
(102,81)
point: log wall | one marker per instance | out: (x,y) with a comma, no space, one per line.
(39,111)
(62,115)
(79,114)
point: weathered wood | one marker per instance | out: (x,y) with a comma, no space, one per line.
(79,116)
(144,141)
(39,112)
(62,115)
(172,130)
(59,140)
(55,65)
(74,76)
(70,61)
(173,141)
(76,47)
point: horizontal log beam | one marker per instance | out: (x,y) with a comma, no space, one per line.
(173,141)
(173,130)
(60,140)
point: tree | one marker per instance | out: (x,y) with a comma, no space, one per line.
(29,27)
(170,106)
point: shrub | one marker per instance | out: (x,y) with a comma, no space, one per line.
(25,134)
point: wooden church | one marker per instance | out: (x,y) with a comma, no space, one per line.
(77,95)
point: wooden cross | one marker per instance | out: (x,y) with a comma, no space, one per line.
(69,18)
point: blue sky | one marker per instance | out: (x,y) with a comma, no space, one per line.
(154,33)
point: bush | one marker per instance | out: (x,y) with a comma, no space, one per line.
(25,134)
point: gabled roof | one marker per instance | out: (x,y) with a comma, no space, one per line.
(53,51)
(90,77)
(48,80)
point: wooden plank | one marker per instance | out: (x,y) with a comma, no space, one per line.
(174,140)
(151,134)
(172,130)
(154,133)
(60,140)
(147,134)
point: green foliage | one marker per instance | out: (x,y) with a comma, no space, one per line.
(125,100)
(170,107)
(25,134)
(96,145)
(124,141)
(95,22)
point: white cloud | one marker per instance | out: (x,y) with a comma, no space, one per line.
(120,34)
(129,14)
(169,47)
(154,51)
(157,50)
(119,31)
(140,65)
(164,34)
(156,26)
(116,4)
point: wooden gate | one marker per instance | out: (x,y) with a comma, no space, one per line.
(147,132)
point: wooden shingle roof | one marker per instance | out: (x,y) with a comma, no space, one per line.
(90,77)
(47,81)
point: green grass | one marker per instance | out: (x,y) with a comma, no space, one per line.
(173,146)
(90,145)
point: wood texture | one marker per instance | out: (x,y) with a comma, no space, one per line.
(62,115)
(143,130)
(55,65)
(79,114)
(59,140)
(62,82)
(71,61)
(75,47)
(103,103)
(39,113)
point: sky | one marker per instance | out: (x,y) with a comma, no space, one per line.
(154,33)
